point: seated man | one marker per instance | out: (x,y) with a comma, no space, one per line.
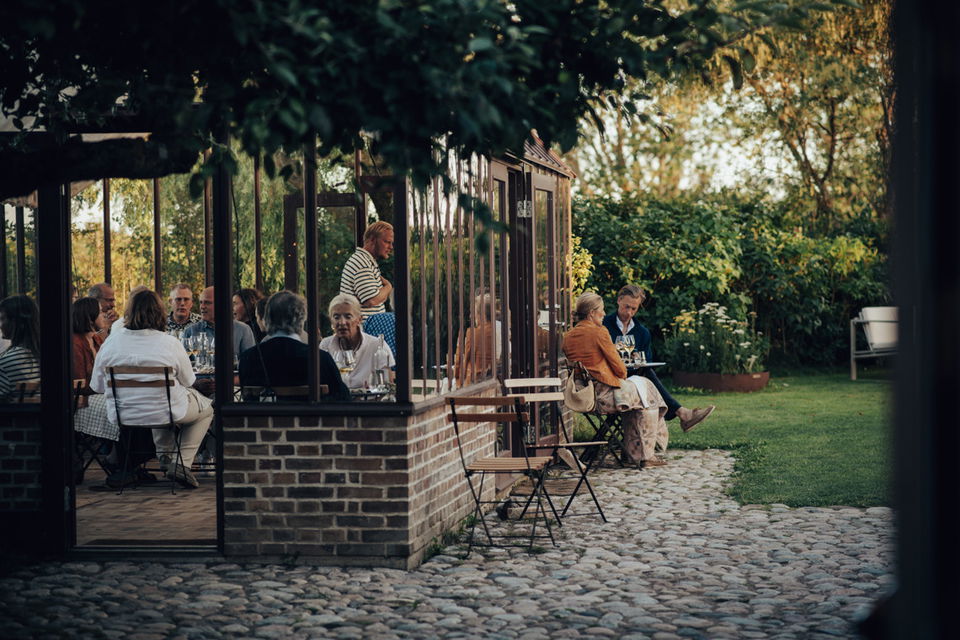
(348,337)
(104,294)
(181,309)
(242,334)
(280,360)
(620,323)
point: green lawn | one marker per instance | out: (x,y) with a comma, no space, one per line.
(807,440)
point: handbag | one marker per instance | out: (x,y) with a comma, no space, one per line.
(579,395)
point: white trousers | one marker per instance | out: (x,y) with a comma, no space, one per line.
(193,427)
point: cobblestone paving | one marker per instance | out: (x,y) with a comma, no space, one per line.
(680,560)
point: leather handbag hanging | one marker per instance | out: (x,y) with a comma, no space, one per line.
(579,394)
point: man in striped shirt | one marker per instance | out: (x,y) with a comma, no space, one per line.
(361,275)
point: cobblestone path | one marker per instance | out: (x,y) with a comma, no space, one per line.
(678,560)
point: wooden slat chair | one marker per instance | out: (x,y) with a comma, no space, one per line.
(548,391)
(157,383)
(27,392)
(507,410)
(282,394)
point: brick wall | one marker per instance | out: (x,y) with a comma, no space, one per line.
(369,491)
(20,462)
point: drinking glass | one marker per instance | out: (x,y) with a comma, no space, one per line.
(346,360)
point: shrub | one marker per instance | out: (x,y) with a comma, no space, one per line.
(742,254)
(709,341)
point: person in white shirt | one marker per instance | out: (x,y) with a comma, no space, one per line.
(347,336)
(143,342)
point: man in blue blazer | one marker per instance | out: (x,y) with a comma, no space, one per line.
(621,323)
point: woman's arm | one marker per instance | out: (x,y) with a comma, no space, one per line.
(611,356)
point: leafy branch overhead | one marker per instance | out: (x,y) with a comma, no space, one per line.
(479,74)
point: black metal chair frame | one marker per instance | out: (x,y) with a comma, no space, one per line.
(533,468)
(607,427)
(172,425)
(556,398)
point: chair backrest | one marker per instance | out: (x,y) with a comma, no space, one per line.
(880,327)
(77,385)
(166,383)
(513,413)
(288,393)
(537,390)
(27,392)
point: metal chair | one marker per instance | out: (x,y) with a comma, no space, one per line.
(880,330)
(547,390)
(279,394)
(166,383)
(27,392)
(87,447)
(607,428)
(533,467)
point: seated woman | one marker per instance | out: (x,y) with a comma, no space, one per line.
(481,344)
(19,323)
(144,342)
(244,310)
(589,344)
(349,338)
(280,360)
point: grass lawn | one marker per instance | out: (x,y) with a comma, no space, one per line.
(807,440)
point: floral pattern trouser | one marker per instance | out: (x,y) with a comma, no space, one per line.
(644,428)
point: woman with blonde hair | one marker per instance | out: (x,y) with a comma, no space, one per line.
(643,407)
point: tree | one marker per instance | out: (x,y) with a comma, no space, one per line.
(480,73)
(812,124)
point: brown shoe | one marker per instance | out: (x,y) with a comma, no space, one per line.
(695,417)
(652,462)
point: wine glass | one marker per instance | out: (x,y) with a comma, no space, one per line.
(346,360)
(620,344)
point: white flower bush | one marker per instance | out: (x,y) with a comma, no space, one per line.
(709,341)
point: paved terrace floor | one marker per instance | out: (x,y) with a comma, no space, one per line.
(681,561)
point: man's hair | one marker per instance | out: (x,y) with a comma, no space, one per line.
(633,291)
(587,303)
(96,291)
(285,313)
(375,230)
(145,311)
(345,298)
(83,315)
(23,316)
(178,286)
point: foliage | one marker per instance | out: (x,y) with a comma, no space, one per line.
(581,264)
(812,124)
(708,340)
(741,254)
(479,73)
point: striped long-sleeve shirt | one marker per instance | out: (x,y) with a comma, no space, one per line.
(16,365)
(361,278)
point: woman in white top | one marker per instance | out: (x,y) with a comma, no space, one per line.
(143,342)
(348,337)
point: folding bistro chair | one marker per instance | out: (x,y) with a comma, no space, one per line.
(88,448)
(27,392)
(547,390)
(279,394)
(534,468)
(165,383)
(607,428)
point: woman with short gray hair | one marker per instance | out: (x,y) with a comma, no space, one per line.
(280,360)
